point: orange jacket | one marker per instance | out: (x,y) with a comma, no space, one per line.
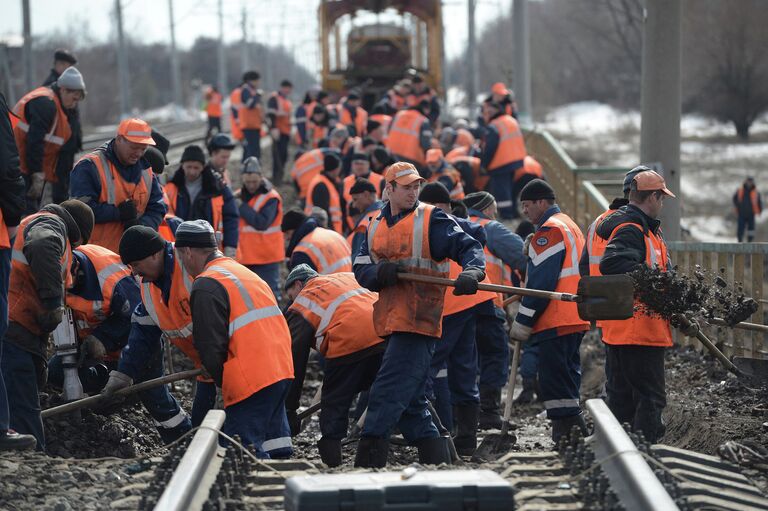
(235,105)
(530,166)
(57,135)
(340,311)
(23,302)
(641,329)
(249,118)
(404,137)
(408,306)
(328,251)
(213,104)
(334,208)
(262,247)
(305,168)
(116,190)
(259,352)
(282,114)
(511,144)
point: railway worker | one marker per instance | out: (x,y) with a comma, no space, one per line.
(62,60)
(220,149)
(380,160)
(410,135)
(242,339)
(504,263)
(353,116)
(251,114)
(279,109)
(323,192)
(302,115)
(324,250)
(119,184)
(213,111)
(102,297)
(360,169)
(261,245)
(636,346)
(439,170)
(319,127)
(416,238)
(420,91)
(503,154)
(364,199)
(42,252)
(235,105)
(553,265)
(42,130)
(334,315)
(748,204)
(378,131)
(504,97)
(458,142)
(11,210)
(196,192)
(306,166)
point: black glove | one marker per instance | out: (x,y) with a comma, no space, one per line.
(293,422)
(466,282)
(387,274)
(49,319)
(128,212)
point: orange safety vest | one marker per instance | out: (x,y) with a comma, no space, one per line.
(341,312)
(213,106)
(116,190)
(361,226)
(23,302)
(496,270)
(530,166)
(308,108)
(262,247)
(384,119)
(457,152)
(464,139)
(334,208)
(480,180)
(404,137)
(284,107)
(56,137)
(89,314)
(328,251)
(511,144)
(408,306)
(249,118)
(752,198)
(317,133)
(457,190)
(347,184)
(217,208)
(165,229)
(595,244)
(5,239)
(236,104)
(259,351)
(360,121)
(564,315)
(641,329)
(414,99)
(305,168)
(454,304)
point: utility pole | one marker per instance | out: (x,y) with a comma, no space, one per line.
(245,61)
(222,56)
(471,58)
(660,102)
(122,64)
(27,48)
(522,60)
(175,70)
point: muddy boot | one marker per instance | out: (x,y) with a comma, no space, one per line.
(434,451)
(330,451)
(490,408)
(466,428)
(372,452)
(13,441)
(527,395)
(561,428)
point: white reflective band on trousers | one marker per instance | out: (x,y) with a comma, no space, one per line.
(276,443)
(173,421)
(561,403)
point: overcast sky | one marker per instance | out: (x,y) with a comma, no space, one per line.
(292,23)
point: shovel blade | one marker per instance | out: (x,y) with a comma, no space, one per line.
(493,446)
(756,368)
(606,297)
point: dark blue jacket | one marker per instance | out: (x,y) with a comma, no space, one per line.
(626,250)
(503,243)
(262,219)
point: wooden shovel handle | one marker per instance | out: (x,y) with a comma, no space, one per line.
(755,327)
(511,299)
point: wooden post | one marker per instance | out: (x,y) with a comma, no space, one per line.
(738,277)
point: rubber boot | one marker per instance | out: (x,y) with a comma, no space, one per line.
(372,452)
(527,395)
(466,428)
(13,441)
(490,408)
(561,428)
(434,451)
(330,451)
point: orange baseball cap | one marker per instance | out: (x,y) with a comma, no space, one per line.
(434,155)
(500,89)
(649,180)
(136,131)
(402,173)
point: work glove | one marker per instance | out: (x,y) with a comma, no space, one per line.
(92,349)
(466,282)
(688,327)
(386,274)
(230,251)
(117,381)
(128,213)
(519,332)
(36,182)
(49,319)
(293,422)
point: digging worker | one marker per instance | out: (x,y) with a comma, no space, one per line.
(243,341)
(261,246)
(119,185)
(213,111)
(636,346)
(306,166)
(334,315)
(553,265)
(250,114)
(102,298)
(360,169)
(411,237)
(323,192)
(324,250)
(279,109)
(410,135)
(42,254)
(364,198)
(748,204)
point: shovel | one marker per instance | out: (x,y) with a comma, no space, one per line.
(685,323)
(597,298)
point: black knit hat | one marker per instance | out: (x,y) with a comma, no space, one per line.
(64,56)
(382,156)
(196,234)
(536,190)
(155,158)
(292,220)
(478,200)
(362,185)
(359,157)
(82,214)
(435,193)
(139,242)
(372,125)
(193,153)
(162,144)
(331,162)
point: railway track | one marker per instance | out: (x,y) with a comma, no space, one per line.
(610,470)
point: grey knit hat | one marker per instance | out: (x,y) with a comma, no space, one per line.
(71,79)
(196,234)
(251,165)
(302,272)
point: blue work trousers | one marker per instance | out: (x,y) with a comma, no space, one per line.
(560,375)
(5,275)
(500,185)
(493,349)
(260,421)
(170,419)
(398,394)
(529,360)
(269,273)
(252,143)
(21,371)
(745,226)
(205,400)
